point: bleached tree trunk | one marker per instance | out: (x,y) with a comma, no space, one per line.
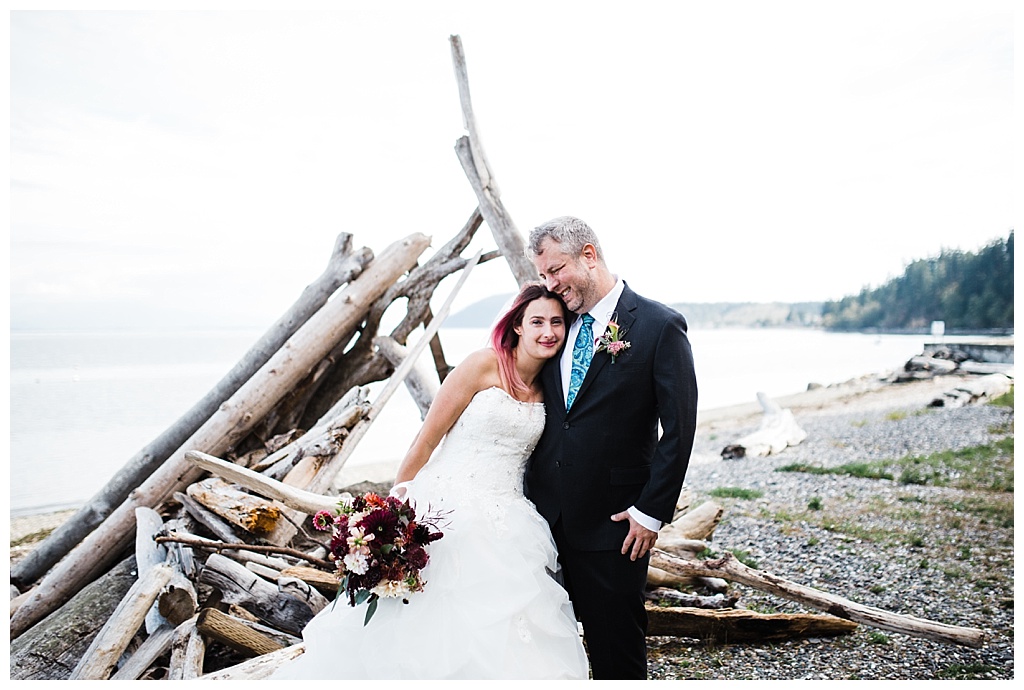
(342,267)
(231,422)
(729,568)
(474,163)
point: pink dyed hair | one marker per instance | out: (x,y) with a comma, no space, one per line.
(504,338)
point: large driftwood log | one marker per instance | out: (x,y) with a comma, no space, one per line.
(686,536)
(778,430)
(326,582)
(972,391)
(260,668)
(474,162)
(113,639)
(306,501)
(729,568)
(254,514)
(254,594)
(188,650)
(149,651)
(207,518)
(237,634)
(737,625)
(697,601)
(304,592)
(52,649)
(342,267)
(230,422)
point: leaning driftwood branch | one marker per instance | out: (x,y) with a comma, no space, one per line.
(729,568)
(474,163)
(211,545)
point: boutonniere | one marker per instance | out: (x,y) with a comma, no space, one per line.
(612,342)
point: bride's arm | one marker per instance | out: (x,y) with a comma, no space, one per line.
(477,372)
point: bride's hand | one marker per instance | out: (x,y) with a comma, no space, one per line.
(399,490)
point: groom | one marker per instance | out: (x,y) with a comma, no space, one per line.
(601,475)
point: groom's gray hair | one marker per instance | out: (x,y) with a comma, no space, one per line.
(571,233)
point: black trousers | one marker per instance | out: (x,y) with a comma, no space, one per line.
(607,592)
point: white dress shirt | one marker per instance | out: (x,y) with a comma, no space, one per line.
(602,313)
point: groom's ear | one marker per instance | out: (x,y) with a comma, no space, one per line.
(589,255)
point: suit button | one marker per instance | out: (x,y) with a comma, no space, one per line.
(558,463)
(565,425)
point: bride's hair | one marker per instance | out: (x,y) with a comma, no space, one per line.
(504,338)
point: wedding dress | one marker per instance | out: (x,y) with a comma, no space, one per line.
(490,608)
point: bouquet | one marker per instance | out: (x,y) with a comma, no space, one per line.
(379,547)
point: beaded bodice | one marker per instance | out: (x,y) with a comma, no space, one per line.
(486,450)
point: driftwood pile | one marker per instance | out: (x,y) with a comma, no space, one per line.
(198,559)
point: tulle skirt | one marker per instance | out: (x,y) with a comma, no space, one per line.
(490,608)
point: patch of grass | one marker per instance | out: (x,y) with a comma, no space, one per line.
(735,492)
(877,589)
(965,671)
(32,538)
(814,504)
(813,541)
(863,470)
(875,637)
(988,467)
(860,423)
(997,508)
(744,558)
(896,415)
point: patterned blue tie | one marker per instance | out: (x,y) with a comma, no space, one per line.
(582,353)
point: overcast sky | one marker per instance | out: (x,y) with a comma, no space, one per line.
(201,164)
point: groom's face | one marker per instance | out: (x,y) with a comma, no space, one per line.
(568,276)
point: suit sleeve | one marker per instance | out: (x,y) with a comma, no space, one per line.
(675,386)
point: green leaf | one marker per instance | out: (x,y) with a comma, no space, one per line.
(371,609)
(362,595)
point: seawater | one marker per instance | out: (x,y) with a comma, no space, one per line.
(82,404)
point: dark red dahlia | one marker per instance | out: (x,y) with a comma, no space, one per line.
(382,524)
(416,556)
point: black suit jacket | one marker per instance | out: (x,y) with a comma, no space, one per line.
(605,454)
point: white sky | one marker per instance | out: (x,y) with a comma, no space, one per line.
(746,151)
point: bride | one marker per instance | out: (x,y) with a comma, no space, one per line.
(490,608)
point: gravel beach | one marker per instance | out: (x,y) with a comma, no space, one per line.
(940,553)
(936,552)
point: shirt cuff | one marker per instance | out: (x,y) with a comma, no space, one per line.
(645,520)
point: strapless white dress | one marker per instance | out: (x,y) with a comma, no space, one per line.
(490,608)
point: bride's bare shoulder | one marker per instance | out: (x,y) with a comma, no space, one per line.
(481,365)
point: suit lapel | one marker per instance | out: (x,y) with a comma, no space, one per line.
(625,317)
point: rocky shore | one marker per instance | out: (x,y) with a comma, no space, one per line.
(937,552)
(940,549)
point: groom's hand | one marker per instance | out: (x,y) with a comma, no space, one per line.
(639,540)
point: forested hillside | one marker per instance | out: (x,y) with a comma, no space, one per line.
(967,290)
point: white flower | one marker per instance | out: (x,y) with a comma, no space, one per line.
(356,563)
(391,589)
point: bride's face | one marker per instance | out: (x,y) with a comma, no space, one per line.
(543,328)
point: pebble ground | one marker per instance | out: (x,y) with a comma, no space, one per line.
(939,553)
